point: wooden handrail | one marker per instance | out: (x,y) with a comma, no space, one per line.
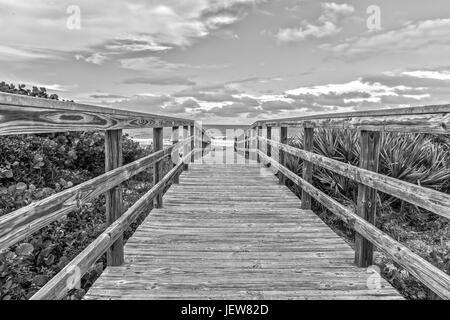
(435,279)
(432,200)
(19,224)
(428,119)
(26,115)
(64,281)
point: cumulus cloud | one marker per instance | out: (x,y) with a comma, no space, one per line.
(109,28)
(161,81)
(326,24)
(425,74)
(412,36)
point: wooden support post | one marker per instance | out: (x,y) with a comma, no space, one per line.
(281,155)
(202,143)
(269,137)
(114,196)
(258,144)
(308,141)
(246,147)
(369,157)
(158,166)
(186,146)
(175,140)
(192,143)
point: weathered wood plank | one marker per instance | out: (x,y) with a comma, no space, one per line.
(281,155)
(308,144)
(367,197)
(58,286)
(157,167)
(428,119)
(223,239)
(25,115)
(432,200)
(175,138)
(114,196)
(432,277)
(19,224)
(186,147)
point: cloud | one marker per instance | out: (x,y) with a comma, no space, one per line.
(182,107)
(107,96)
(232,110)
(412,36)
(95,58)
(21,53)
(374,89)
(144,103)
(327,24)
(161,81)
(438,75)
(111,28)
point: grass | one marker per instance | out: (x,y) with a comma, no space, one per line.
(416,158)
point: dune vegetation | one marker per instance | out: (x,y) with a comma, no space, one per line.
(415,158)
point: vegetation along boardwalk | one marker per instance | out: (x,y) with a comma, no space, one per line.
(232,232)
(221,224)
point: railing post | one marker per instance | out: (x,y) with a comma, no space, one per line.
(202,143)
(369,157)
(269,137)
(258,133)
(308,141)
(281,155)
(246,155)
(114,196)
(175,140)
(192,143)
(157,167)
(186,146)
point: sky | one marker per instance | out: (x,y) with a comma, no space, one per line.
(231,61)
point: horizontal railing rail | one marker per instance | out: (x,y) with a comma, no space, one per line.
(63,282)
(19,224)
(428,119)
(26,115)
(370,124)
(432,200)
(425,272)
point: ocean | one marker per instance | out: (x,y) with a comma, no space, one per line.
(145,135)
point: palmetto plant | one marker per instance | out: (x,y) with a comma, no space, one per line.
(415,158)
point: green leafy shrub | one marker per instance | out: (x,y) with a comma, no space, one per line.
(33,167)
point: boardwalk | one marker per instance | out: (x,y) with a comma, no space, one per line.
(232,232)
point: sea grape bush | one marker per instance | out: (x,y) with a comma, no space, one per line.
(33,167)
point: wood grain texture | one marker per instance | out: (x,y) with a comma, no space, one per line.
(427,119)
(367,197)
(19,224)
(175,138)
(308,143)
(158,142)
(281,153)
(230,231)
(187,146)
(432,277)
(26,115)
(64,281)
(432,200)
(114,196)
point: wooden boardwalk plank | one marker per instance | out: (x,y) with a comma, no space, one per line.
(232,232)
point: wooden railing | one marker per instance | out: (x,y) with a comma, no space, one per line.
(370,124)
(27,115)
